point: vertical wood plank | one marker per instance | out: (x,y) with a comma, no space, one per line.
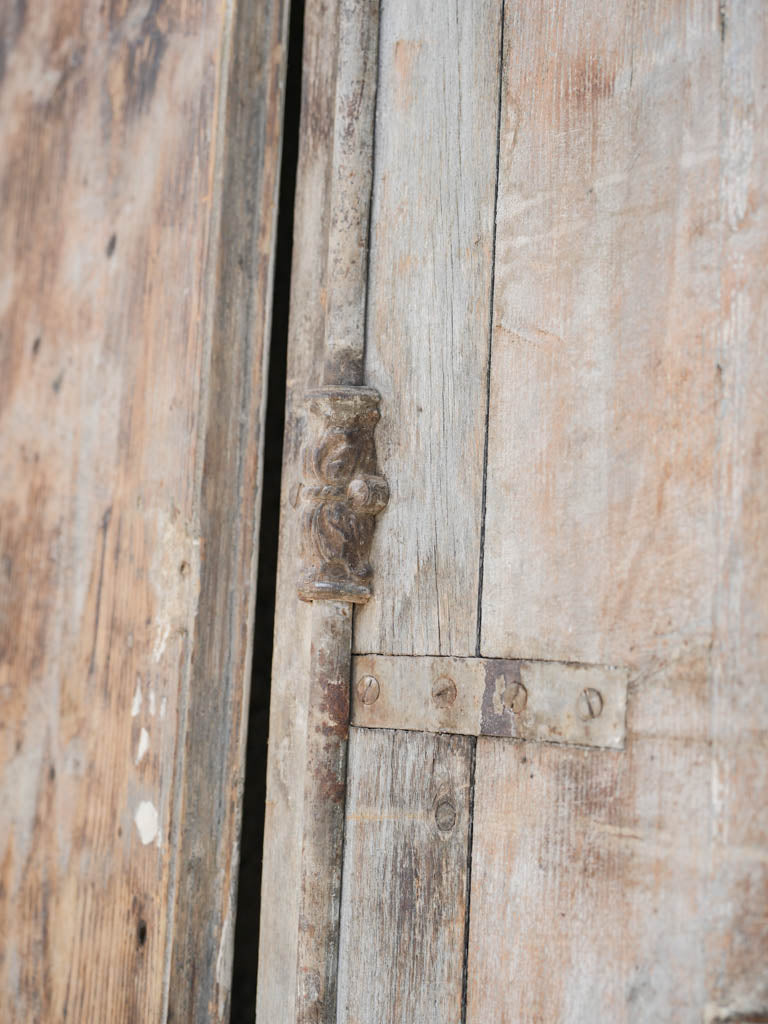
(600,512)
(428,317)
(636,884)
(589,876)
(134,303)
(405,878)
(738,932)
(281,871)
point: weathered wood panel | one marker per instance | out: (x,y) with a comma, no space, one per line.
(405,878)
(428,318)
(737,938)
(137,181)
(283,824)
(589,871)
(628,379)
(604,380)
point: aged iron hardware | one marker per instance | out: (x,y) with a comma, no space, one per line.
(545,701)
(343,492)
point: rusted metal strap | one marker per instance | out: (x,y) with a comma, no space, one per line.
(544,701)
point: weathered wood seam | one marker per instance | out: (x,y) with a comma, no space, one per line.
(492,290)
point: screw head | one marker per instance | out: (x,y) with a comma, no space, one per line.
(590,704)
(514,696)
(368,689)
(443,691)
(445,814)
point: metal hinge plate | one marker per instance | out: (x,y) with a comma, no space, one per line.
(546,701)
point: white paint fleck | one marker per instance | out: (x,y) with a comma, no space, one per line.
(224,962)
(162,639)
(163,706)
(136,704)
(152,703)
(147,822)
(143,745)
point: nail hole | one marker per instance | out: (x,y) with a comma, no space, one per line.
(142,932)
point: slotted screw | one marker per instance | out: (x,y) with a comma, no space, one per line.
(368,689)
(589,704)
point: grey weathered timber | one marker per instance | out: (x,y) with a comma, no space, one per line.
(627,390)
(737,931)
(405,878)
(428,317)
(138,178)
(545,701)
(281,871)
(599,542)
(588,902)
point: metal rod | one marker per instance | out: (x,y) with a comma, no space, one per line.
(351,181)
(347,493)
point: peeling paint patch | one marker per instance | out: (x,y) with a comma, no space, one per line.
(175,575)
(143,745)
(147,822)
(152,703)
(224,963)
(136,703)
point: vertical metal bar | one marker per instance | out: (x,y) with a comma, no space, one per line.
(324,800)
(351,181)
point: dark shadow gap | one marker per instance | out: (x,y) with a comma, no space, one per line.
(249,882)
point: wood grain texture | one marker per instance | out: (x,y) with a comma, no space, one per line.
(428,317)
(604,380)
(629,372)
(134,303)
(281,871)
(738,933)
(589,875)
(613,886)
(405,878)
